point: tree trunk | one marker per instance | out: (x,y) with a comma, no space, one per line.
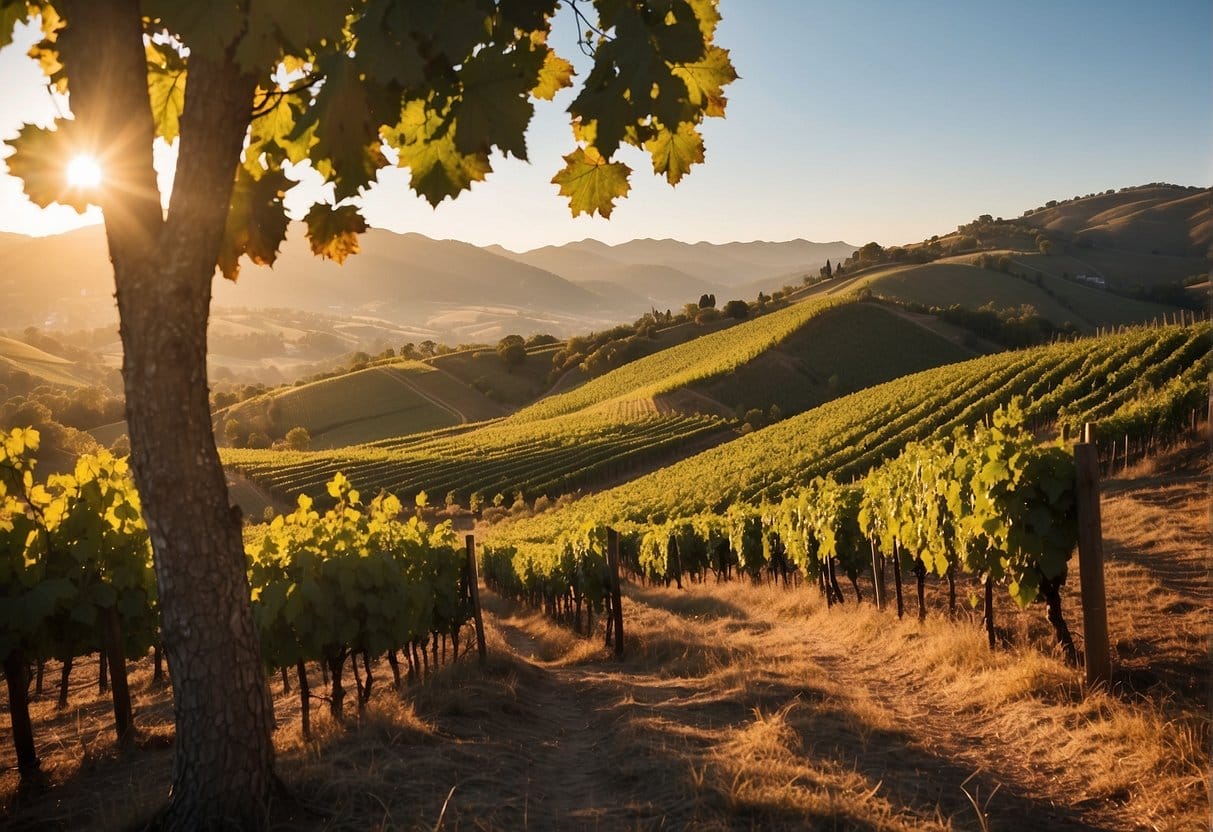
(163,266)
(16,674)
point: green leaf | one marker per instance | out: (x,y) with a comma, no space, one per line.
(386,47)
(591,183)
(256,221)
(333,233)
(427,149)
(675,152)
(346,128)
(208,29)
(166,88)
(303,24)
(494,108)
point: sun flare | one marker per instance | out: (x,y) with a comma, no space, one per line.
(84,172)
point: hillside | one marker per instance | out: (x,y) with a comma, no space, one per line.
(379,402)
(1034,280)
(19,357)
(642,416)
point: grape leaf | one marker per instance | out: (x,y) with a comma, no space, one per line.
(344,118)
(40,156)
(208,29)
(386,48)
(303,24)
(494,108)
(555,74)
(591,182)
(705,80)
(438,170)
(256,220)
(166,88)
(674,152)
(332,232)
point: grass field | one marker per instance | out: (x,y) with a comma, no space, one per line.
(736,707)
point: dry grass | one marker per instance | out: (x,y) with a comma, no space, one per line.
(742,707)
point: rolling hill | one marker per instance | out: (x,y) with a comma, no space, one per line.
(16,356)
(650,412)
(669,273)
(379,402)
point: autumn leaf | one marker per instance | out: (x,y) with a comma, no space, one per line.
(674,152)
(705,80)
(332,232)
(555,74)
(256,221)
(591,182)
(438,169)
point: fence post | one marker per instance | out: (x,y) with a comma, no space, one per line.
(616,601)
(474,588)
(877,576)
(1090,563)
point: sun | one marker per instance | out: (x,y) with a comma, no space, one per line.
(84,172)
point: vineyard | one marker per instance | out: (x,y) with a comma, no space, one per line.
(549,457)
(76,578)
(935,498)
(708,357)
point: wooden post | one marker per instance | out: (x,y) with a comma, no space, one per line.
(474,588)
(877,576)
(1090,565)
(616,601)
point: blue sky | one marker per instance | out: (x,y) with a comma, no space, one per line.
(889,121)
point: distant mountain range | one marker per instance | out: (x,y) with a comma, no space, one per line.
(444,289)
(405,287)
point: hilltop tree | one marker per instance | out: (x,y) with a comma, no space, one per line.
(297,439)
(512,350)
(243,89)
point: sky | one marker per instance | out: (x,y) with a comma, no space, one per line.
(857,121)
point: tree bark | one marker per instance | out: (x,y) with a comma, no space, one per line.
(163,267)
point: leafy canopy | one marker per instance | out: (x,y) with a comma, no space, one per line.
(435,86)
